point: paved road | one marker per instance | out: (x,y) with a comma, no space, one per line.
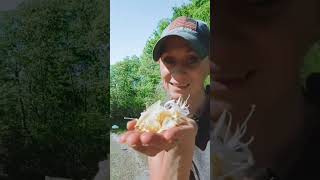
(126,164)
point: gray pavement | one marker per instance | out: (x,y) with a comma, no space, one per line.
(125,163)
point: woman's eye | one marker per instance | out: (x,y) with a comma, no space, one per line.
(169,61)
(193,61)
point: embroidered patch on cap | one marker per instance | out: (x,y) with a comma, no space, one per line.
(184,22)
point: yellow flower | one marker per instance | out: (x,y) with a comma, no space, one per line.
(158,118)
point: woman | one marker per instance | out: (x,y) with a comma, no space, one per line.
(258,52)
(182,54)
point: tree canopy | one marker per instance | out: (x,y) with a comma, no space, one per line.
(54,88)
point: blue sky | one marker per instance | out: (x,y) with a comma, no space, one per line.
(132,23)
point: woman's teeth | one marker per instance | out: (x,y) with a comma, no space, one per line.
(179,85)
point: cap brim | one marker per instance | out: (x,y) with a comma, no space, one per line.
(192,40)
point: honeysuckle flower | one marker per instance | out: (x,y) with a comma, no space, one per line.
(158,118)
(230,157)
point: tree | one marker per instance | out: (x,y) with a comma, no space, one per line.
(54,75)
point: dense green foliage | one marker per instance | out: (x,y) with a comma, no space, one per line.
(54,88)
(135,81)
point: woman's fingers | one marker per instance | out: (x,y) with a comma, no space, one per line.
(133,139)
(152,138)
(147,143)
(180,132)
(147,150)
(131,124)
(130,137)
(123,137)
(152,143)
(157,141)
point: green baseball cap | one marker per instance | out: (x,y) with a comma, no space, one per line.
(196,32)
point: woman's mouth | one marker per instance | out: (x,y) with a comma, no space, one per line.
(180,86)
(230,82)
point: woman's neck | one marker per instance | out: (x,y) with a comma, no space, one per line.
(196,102)
(276,133)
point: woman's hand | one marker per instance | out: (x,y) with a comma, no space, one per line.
(151,144)
(170,153)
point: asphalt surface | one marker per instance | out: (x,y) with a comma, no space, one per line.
(125,163)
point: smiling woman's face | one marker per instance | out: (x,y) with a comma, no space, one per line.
(182,71)
(258,50)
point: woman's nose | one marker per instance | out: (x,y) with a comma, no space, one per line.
(179,69)
(178,72)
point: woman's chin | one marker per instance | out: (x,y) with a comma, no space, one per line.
(177,95)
